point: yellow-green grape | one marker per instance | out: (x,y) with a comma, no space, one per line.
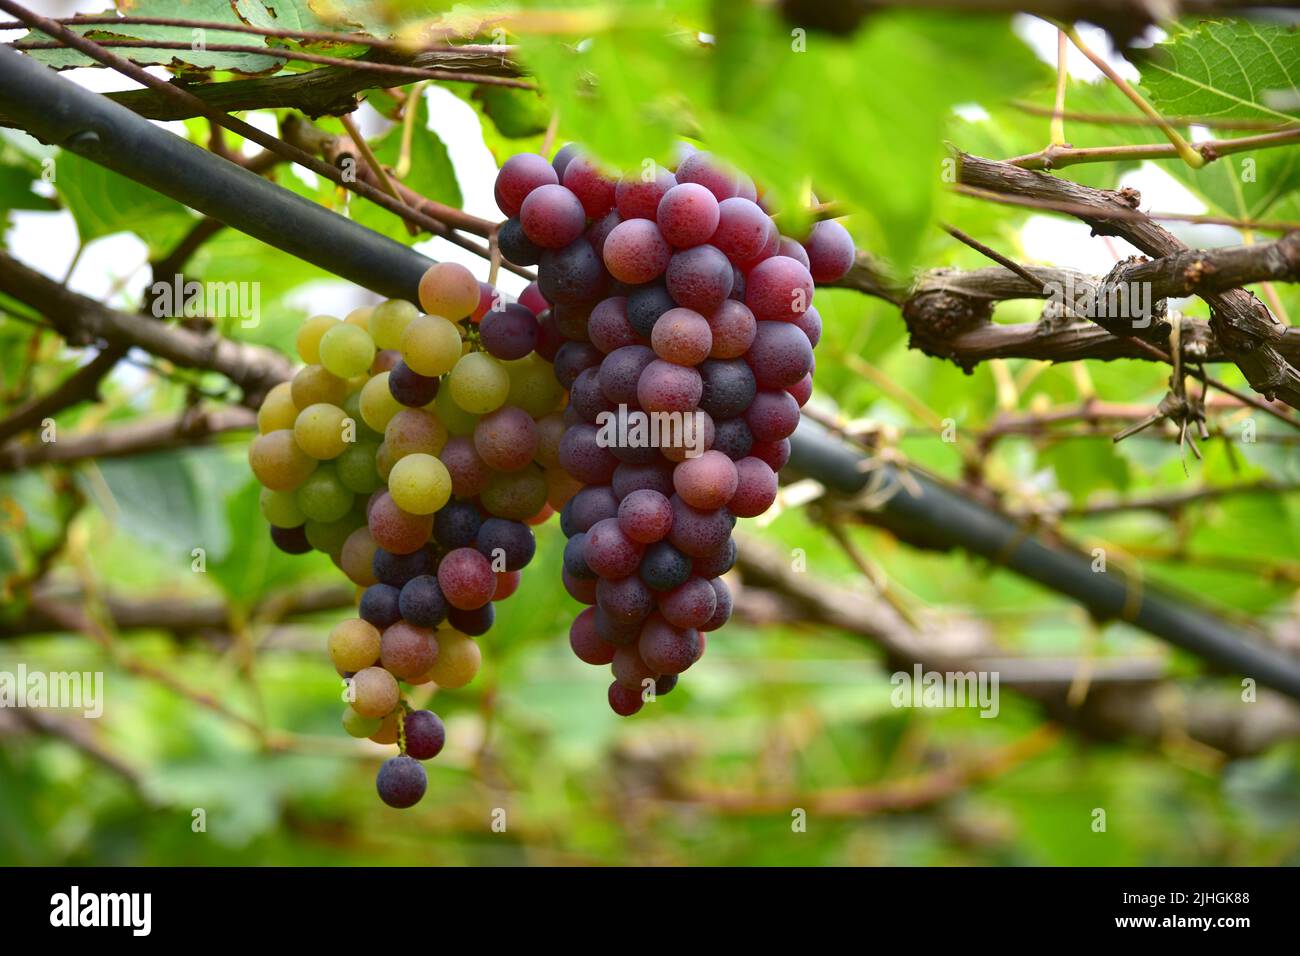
(458,660)
(383,461)
(479,383)
(356,468)
(377,403)
(532,385)
(360,317)
(456,420)
(357,558)
(309,336)
(387,732)
(358,726)
(517,495)
(278,462)
(313,385)
(352,405)
(280,508)
(323,431)
(322,497)
(374,692)
(414,430)
(430,345)
(389,321)
(353,645)
(419,484)
(346,350)
(278,410)
(449,289)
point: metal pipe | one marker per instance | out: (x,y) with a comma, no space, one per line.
(60,112)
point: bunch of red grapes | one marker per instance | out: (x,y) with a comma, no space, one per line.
(661,295)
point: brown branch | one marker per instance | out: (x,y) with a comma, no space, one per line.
(368,66)
(145,436)
(1173,502)
(81,386)
(1061,155)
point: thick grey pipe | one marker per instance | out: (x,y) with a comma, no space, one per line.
(59,111)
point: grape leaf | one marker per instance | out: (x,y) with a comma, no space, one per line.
(104,203)
(194,58)
(1227,69)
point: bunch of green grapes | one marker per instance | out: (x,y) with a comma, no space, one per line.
(416,450)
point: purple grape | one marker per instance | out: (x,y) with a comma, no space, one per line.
(700,278)
(780,356)
(727,387)
(422,603)
(687,215)
(552,217)
(510,333)
(410,388)
(572,274)
(401,782)
(621,371)
(830,251)
(425,734)
(380,605)
(511,541)
(515,246)
(519,176)
(644,306)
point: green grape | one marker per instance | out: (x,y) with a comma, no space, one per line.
(278,410)
(414,430)
(280,508)
(389,321)
(479,383)
(357,556)
(456,419)
(517,495)
(313,385)
(330,536)
(309,336)
(322,497)
(377,404)
(357,469)
(353,645)
(375,692)
(419,484)
(346,350)
(358,726)
(278,462)
(352,405)
(431,345)
(323,431)
(533,386)
(360,317)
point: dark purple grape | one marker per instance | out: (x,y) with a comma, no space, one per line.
(572,274)
(612,631)
(563,156)
(664,387)
(811,324)
(587,644)
(586,396)
(700,278)
(645,516)
(511,541)
(830,251)
(575,559)
(728,387)
(380,605)
(593,503)
(696,532)
(703,168)
(666,649)
(600,229)
(621,370)
(508,333)
(624,701)
(422,603)
(517,247)
(425,734)
(626,600)
(410,388)
(571,358)
(629,669)
(473,622)
(793,249)
(802,390)
(584,457)
(609,552)
(397,569)
(732,437)
(742,229)
(644,306)
(549,338)
(665,684)
(663,567)
(777,289)
(571,320)
(456,524)
(774,415)
(715,562)
(401,782)
(722,612)
(780,356)
(291,540)
(608,327)
(775,453)
(655,476)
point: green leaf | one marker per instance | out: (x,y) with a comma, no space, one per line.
(515,113)
(104,203)
(194,58)
(1234,69)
